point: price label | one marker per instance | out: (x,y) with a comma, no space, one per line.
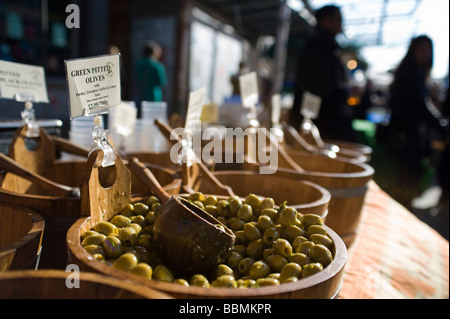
(124,120)
(22,82)
(310,105)
(248,84)
(195,107)
(276,108)
(94,84)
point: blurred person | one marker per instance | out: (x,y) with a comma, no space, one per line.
(151,75)
(321,72)
(413,113)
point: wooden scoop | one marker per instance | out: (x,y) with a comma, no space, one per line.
(192,240)
(9,165)
(187,176)
(65,145)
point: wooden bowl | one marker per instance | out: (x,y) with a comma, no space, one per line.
(21,231)
(52,284)
(325,284)
(355,147)
(305,196)
(61,212)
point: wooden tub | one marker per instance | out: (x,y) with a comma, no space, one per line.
(52,284)
(21,231)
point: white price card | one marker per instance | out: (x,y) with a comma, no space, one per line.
(195,107)
(124,120)
(310,105)
(276,107)
(94,84)
(22,82)
(248,84)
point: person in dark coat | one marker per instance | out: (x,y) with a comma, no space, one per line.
(321,72)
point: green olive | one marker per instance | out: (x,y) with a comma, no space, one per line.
(271,212)
(95,239)
(290,279)
(311,219)
(152,200)
(261,282)
(267,202)
(240,249)
(240,237)
(145,240)
(128,235)
(246,283)
(268,252)
(321,239)
(94,249)
(143,270)
(316,229)
(162,273)
(282,247)
(181,281)
(234,259)
(236,223)
(276,262)
(300,258)
(265,222)
(125,262)
(244,265)
(321,254)
(251,231)
(225,281)
(223,270)
(106,228)
(304,247)
(199,204)
(311,269)
(137,228)
(89,233)
(211,209)
(290,270)
(253,200)
(156,207)
(297,242)
(259,269)
(287,217)
(143,254)
(255,249)
(196,196)
(222,208)
(141,209)
(139,219)
(245,212)
(275,275)
(98,257)
(112,246)
(270,235)
(292,232)
(235,204)
(199,281)
(150,217)
(210,200)
(128,210)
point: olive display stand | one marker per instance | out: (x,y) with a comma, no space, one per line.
(59,212)
(98,204)
(347,183)
(21,231)
(296,142)
(52,284)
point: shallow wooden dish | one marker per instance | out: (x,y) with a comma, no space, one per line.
(355,147)
(51,284)
(21,231)
(303,195)
(323,285)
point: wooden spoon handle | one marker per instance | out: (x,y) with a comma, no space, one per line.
(9,165)
(172,137)
(299,140)
(65,145)
(147,177)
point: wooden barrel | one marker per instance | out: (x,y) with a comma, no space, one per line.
(304,196)
(323,285)
(59,284)
(355,147)
(21,231)
(61,212)
(347,183)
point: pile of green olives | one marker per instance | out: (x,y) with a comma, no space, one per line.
(274,245)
